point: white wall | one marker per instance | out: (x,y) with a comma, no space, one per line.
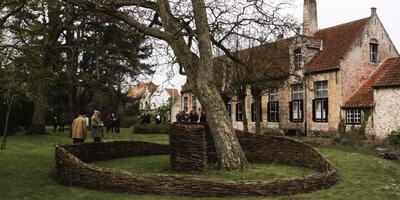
(387,111)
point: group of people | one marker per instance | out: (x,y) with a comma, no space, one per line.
(59,123)
(146,119)
(81,124)
(191,117)
(112,122)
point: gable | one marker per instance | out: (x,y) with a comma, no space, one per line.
(364,96)
(337,41)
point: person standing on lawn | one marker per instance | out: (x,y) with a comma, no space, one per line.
(78,130)
(97,126)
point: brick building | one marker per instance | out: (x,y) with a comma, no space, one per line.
(348,73)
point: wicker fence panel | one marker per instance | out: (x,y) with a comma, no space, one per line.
(71,170)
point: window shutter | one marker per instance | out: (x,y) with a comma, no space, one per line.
(277,111)
(291,111)
(269,111)
(313,110)
(302,110)
(253,110)
(326,107)
(237,112)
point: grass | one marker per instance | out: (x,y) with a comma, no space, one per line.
(160,164)
(26,172)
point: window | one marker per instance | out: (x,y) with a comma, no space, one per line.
(239,112)
(297,92)
(373,51)
(321,89)
(254,113)
(273,111)
(273,106)
(186,104)
(320,110)
(273,94)
(296,106)
(298,58)
(229,108)
(194,104)
(353,116)
(320,102)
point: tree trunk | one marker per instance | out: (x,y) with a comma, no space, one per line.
(37,126)
(72,57)
(257,104)
(229,152)
(242,100)
(48,60)
(4,138)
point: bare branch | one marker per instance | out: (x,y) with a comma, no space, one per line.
(93,7)
(16,10)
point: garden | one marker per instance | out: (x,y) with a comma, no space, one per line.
(28,171)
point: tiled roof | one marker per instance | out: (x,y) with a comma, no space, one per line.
(269,63)
(139,89)
(172,92)
(186,88)
(391,78)
(364,96)
(337,41)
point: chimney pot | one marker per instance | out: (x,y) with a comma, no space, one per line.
(373,11)
(310,17)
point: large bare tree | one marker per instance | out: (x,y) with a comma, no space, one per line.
(191,28)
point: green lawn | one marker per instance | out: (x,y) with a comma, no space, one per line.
(26,172)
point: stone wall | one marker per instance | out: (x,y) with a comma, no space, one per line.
(71,170)
(386,115)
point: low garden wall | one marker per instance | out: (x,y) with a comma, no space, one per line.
(72,170)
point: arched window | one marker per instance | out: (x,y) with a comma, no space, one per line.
(373,50)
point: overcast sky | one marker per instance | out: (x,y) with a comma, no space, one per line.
(331,13)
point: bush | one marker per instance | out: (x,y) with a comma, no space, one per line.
(151,129)
(394,137)
(128,121)
(273,132)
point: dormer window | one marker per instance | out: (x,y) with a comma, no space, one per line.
(373,51)
(298,58)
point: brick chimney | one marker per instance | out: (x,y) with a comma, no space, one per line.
(373,11)
(310,18)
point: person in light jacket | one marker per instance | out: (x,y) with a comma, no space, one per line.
(97,126)
(78,134)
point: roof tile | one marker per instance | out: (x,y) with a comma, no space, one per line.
(391,78)
(364,96)
(337,41)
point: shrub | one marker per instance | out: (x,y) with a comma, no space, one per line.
(128,121)
(394,137)
(151,129)
(273,132)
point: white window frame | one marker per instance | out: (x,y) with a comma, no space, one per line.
(297,92)
(373,51)
(298,58)
(321,89)
(194,104)
(273,95)
(186,104)
(353,116)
